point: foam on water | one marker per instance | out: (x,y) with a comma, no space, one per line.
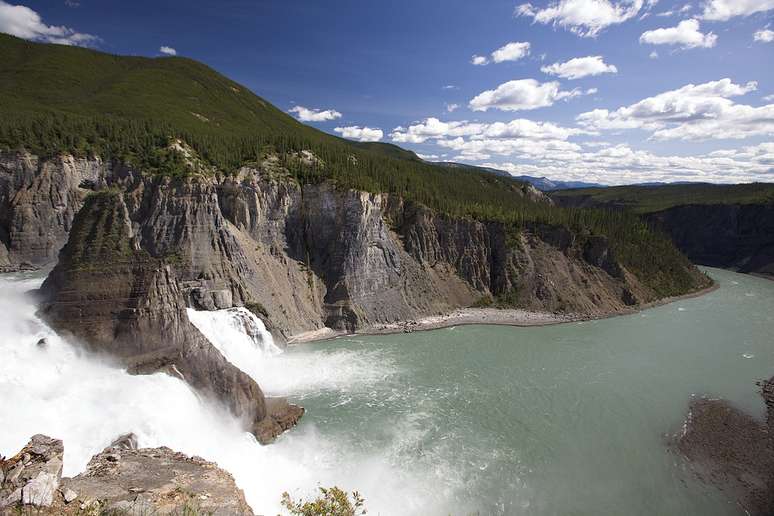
(488,420)
(60,391)
(243,339)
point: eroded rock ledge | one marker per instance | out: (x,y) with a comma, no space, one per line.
(122,479)
(733,450)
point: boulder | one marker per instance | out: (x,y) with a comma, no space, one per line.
(32,476)
(281,416)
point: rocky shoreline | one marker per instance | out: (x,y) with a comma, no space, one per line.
(486,316)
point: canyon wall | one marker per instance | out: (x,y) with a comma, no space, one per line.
(739,237)
(141,249)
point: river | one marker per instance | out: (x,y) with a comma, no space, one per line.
(568,419)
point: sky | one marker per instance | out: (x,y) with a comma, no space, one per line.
(607,91)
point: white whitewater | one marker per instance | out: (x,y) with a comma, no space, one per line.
(242,338)
(58,390)
(238,334)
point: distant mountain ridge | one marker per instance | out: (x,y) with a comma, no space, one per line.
(541,183)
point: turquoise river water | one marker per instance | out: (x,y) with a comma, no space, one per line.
(560,420)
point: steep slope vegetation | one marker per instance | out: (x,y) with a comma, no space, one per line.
(60,100)
(729,226)
(651,199)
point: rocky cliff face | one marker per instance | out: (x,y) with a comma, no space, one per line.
(143,249)
(731,236)
(113,294)
(309,256)
(38,201)
(739,237)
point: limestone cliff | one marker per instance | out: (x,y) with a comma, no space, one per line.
(737,236)
(38,201)
(309,256)
(120,299)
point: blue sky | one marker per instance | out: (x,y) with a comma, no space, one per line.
(371,67)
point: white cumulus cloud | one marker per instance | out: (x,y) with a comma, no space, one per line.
(722,10)
(474,141)
(764,36)
(23,22)
(621,164)
(522,94)
(580,67)
(168,50)
(361,134)
(586,18)
(314,115)
(693,112)
(433,128)
(511,52)
(686,34)
(540,148)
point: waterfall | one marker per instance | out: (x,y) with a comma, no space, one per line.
(239,335)
(55,388)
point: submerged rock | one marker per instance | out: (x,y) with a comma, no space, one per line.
(733,451)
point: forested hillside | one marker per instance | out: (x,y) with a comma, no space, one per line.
(57,99)
(648,199)
(729,226)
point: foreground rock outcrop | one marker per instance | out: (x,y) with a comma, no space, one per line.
(32,476)
(733,450)
(122,479)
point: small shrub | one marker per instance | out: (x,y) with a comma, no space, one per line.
(483,302)
(332,502)
(257,308)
